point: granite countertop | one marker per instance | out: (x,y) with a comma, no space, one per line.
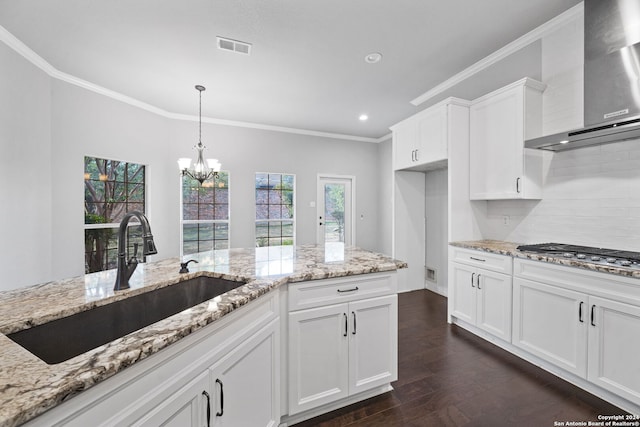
(29,386)
(510,249)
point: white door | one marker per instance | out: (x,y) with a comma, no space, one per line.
(185,408)
(551,323)
(248,376)
(494,303)
(614,347)
(318,356)
(373,347)
(335,209)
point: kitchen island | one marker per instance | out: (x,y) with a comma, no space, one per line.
(30,387)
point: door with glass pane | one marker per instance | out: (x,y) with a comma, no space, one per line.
(335,209)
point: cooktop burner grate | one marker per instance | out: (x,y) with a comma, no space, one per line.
(561,248)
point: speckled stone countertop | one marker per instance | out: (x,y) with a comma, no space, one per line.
(29,386)
(509,248)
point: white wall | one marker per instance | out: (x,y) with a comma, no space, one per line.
(25,172)
(436,226)
(85,123)
(243,152)
(49,126)
(385,197)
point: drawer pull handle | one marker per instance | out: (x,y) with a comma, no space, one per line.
(580,312)
(348,290)
(593,315)
(478,259)
(353,313)
(204,393)
(346,324)
(221,413)
(472,276)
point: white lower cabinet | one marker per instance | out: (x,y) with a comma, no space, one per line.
(557,318)
(550,322)
(244,383)
(373,343)
(614,347)
(219,396)
(185,408)
(318,357)
(481,297)
(339,350)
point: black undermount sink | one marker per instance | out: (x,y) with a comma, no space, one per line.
(64,338)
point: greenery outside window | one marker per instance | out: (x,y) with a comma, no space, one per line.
(275,213)
(205,214)
(111,189)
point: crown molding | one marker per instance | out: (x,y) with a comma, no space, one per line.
(532,36)
(31,56)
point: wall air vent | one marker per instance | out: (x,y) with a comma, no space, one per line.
(234,45)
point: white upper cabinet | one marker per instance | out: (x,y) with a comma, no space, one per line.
(421,141)
(500,167)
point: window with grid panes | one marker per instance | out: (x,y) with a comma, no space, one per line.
(112,188)
(205,214)
(275,212)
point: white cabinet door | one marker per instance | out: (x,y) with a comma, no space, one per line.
(244,383)
(185,408)
(482,298)
(373,347)
(405,139)
(500,167)
(614,347)
(318,356)
(493,313)
(496,147)
(432,136)
(551,323)
(463,292)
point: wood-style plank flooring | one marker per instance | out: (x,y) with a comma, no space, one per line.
(449,377)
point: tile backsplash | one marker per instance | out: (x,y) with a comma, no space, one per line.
(591,197)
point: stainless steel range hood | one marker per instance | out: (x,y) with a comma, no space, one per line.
(611,78)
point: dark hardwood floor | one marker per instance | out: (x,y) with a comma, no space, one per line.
(449,377)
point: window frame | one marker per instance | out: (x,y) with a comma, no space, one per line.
(293,218)
(184,222)
(114,226)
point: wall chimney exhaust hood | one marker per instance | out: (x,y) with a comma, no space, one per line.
(611,78)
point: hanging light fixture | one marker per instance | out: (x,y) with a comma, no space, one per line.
(201,171)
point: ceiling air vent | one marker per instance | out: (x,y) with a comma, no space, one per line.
(234,45)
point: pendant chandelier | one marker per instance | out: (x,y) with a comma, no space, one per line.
(201,170)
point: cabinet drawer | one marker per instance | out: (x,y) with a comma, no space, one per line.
(486,260)
(317,293)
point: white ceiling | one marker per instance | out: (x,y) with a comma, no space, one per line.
(306,69)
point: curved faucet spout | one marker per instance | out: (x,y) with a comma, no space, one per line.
(126,268)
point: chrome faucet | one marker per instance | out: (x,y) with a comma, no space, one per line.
(126,268)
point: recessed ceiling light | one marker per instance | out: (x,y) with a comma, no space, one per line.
(363,117)
(373,57)
(564,141)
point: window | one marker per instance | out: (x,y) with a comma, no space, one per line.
(275,219)
(111,189)
(205,214)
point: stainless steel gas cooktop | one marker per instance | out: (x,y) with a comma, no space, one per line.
(602,256)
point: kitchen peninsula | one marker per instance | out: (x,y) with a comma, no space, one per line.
(30,387)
